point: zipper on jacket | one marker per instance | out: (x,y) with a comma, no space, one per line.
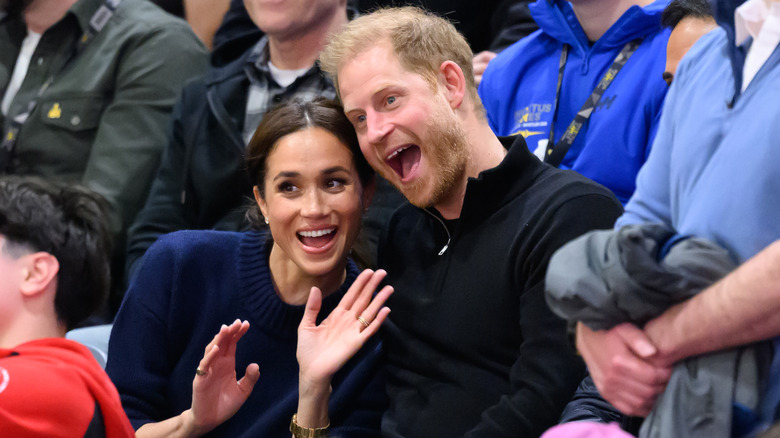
(449,237)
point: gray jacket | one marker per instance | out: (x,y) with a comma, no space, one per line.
(633,274)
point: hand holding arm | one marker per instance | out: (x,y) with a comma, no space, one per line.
(216,394)
(323,349)
(623,366)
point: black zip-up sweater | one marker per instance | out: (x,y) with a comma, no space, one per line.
(473,350)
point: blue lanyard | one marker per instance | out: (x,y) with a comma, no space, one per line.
(555,152)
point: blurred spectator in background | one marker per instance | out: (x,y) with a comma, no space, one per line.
(204,16)
(585,90)
(202,182)
(689,21)
(710,174)
(489,26)
(87,90)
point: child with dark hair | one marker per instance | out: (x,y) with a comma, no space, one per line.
(55,248)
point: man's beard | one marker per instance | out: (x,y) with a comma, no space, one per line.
(447,154)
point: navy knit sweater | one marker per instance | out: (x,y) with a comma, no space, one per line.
(192,282)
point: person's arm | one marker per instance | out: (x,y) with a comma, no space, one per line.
(139,363)
(216,393)
(150,73)
(547,370)
(323,349)
(741,308)
(633,365)
(145,347)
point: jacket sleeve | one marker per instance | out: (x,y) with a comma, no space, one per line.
(164,211)
(131,135)
(358,413)
(548,370)
(588,405)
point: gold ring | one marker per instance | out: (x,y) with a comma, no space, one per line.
(363,321)
(200,372)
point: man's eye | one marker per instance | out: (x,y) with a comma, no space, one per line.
(391,100)
(360,119)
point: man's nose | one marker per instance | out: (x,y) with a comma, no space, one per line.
(377,128)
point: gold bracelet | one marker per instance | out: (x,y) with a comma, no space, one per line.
(305,432)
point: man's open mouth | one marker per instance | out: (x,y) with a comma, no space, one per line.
(404,160)
(317,238)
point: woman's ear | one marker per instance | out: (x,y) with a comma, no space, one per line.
(454,83)
(260,202)
(41,270)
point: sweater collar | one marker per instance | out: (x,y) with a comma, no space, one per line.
(257,292)
(723,11)
(496,186)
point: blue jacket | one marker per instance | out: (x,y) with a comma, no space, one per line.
(518,90)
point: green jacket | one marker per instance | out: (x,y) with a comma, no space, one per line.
(103,120)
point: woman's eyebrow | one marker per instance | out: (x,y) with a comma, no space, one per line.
(290,174)
(335,169)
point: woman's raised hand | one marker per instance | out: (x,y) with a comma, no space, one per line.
(323,349)
(216,394)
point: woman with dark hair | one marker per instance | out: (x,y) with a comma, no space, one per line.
(292,282)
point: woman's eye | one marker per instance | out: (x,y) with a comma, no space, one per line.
(360,119)
(334,184)
(287,187)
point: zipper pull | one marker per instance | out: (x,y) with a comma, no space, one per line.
(444,249)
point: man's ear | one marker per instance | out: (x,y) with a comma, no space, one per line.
(41,270)
(454,83)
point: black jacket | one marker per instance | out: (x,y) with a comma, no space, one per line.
(201,182)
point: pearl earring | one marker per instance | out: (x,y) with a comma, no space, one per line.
(266,221)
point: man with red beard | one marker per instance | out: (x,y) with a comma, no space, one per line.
(473,350)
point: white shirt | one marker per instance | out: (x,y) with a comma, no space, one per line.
(759,19)
(20,69)
(285,77)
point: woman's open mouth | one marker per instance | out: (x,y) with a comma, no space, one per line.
(317,238)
